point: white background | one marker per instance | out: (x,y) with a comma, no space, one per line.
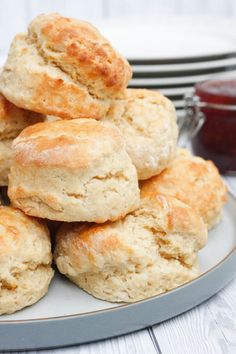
(15,14)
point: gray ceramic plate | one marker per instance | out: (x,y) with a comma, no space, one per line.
(68,316)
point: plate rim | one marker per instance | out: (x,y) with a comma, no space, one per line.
(180,67)
(132,304)
(216,26)
(180,80)
(181,60)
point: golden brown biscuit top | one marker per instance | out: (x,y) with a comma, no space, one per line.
(173,215)
(14,119)
(91,247)
(81,51)
(170,215)
(190,179)
(18,232)
(76,143)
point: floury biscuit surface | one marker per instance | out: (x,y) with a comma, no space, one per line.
(73,170)
(150,251)
(63,67)
(147,121)
(25,260)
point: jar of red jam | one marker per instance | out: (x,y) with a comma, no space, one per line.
(211,114)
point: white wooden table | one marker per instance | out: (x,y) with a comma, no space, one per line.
(209,328)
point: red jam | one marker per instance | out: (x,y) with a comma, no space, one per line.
(216,139)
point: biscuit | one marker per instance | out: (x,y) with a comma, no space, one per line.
(5,160)
(147,121)
(31,83)
(194,181)
(65,68)
(150,251)
(25,260)
(73,170)
(78,49)
(13,119)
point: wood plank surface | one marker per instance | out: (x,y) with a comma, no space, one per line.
(207,329)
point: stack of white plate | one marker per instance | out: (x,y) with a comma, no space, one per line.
(171,54)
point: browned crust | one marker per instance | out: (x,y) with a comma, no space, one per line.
(14,222)
(83,241)
(72,143)
(53,96)
(13,119)
(192,180)
(80,50)
(33,84)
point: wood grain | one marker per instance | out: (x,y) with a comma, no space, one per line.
(195,332)
(223,310)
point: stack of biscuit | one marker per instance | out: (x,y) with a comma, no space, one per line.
(134,209)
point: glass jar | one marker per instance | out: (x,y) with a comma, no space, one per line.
(211,119)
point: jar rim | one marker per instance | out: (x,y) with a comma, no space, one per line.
(195,100)
(217,91)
